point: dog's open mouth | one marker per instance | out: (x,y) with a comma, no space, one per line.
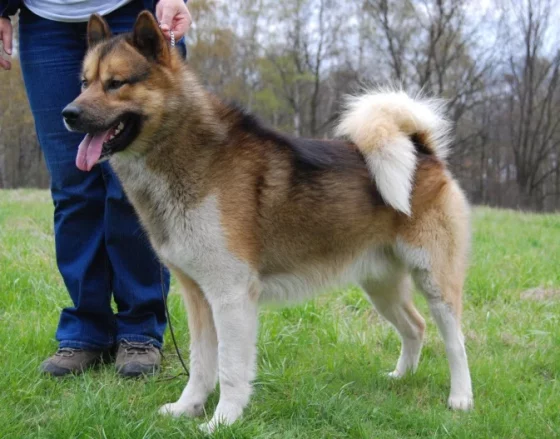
(100,146)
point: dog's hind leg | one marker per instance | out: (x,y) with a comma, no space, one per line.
(203,352)
(393,300)
(438,267)
(445,308)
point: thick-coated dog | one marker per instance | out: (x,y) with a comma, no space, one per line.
(242,214)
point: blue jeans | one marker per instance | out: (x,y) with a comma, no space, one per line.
(101,249)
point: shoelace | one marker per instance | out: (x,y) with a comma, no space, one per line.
(66,352)
(135,347)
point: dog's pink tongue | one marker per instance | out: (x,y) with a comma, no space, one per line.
(89,151)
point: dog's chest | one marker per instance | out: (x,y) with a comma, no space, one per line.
(187,236)
(193,235)
(198,248)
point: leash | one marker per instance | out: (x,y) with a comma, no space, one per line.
(168,316)
(186,369)
(171,34)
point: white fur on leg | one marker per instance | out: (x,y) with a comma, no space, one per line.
(461,397)
(177,409)
(203,367)
(236,325)
(409,358)
(226,414)
(192,400)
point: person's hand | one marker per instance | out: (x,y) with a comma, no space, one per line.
(6,38)
(173,15)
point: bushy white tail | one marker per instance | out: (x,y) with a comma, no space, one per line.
(383,124)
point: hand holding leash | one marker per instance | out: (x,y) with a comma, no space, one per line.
(174,18)
(6,39)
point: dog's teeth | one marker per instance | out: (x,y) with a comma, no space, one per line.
(121,126)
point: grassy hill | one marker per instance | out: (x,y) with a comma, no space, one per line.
(321,364)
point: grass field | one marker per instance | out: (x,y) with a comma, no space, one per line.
(321,364)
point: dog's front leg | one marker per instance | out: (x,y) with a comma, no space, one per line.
(204,351)
(235,316)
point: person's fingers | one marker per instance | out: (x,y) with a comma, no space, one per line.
(173,18)
(162,25)
(167,15)
(7,36)
(183,23)
(165,30)
(5,64)
(180,27)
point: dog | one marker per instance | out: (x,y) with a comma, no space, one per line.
(242,214)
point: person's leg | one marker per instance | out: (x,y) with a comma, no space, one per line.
(138,278)
(51,55)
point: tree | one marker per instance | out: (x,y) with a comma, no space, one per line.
(533,98)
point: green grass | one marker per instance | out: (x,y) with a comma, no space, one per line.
(321,364)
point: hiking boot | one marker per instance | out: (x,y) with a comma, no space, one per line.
(70,360)
(136,358)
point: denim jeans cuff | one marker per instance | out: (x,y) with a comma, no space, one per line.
(77,344)
(139,339)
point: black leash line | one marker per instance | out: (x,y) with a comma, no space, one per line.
(169,320)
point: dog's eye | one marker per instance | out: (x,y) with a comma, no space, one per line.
(114,84)
(84,83)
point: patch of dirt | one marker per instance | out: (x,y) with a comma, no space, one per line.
(540,293)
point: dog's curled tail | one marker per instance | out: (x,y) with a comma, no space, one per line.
(389,128)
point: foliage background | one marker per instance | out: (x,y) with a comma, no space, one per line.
(496,62)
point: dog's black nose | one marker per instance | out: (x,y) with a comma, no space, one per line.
(71,113)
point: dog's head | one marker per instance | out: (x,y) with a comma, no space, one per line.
(126,81)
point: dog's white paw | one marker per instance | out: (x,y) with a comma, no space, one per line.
(460,402)
(395,375)
(173,409)
(178,409)
(226,414)
(212,425)
(208,427)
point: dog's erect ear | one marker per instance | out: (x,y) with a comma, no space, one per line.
(148,38)
(97,30)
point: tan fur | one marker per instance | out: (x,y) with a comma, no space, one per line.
(198,309)
(444,229)
(389,128)
(203,338)
(236,209)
